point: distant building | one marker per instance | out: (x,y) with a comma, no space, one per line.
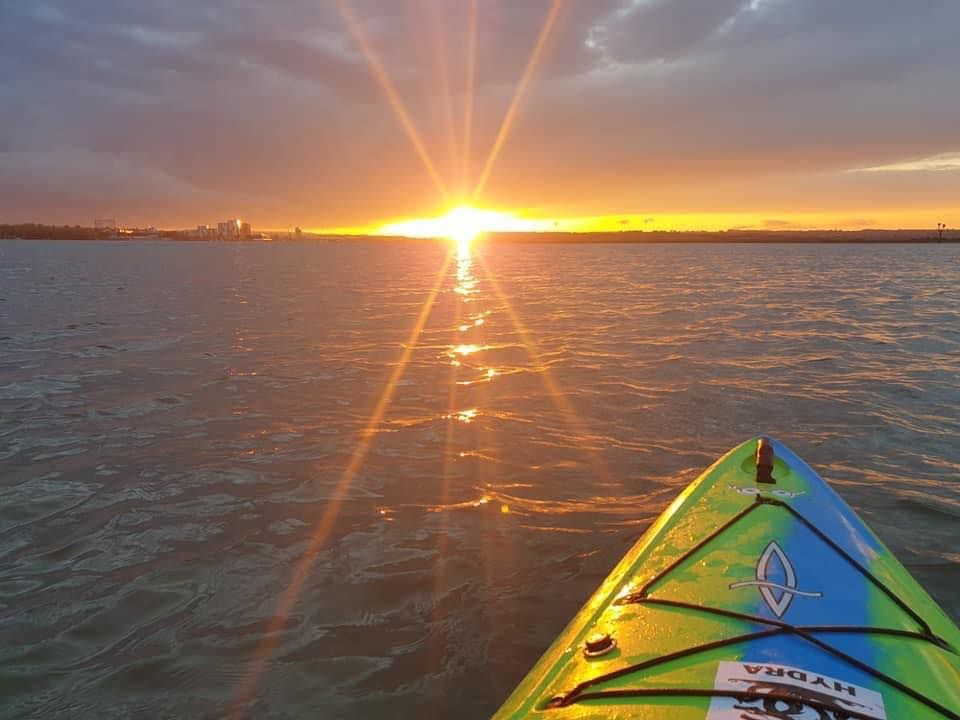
(246,231)
(229,230)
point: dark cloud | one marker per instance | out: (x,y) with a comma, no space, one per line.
(171,111)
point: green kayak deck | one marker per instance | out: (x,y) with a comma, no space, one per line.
(757,595)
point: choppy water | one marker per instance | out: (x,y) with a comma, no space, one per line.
(177,422)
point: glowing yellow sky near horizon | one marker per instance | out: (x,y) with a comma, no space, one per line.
(462,218)
(455,223)
(463,224)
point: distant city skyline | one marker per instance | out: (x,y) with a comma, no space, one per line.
(359,115)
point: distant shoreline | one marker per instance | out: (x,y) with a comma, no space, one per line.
(884,237)
(727,237)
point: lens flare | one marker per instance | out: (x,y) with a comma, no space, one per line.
(463,224)
(327,519)
(533,64)
(389,90)
(469,92)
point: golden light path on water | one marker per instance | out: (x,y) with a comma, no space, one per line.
(472,301)
(462,224)
(466,288)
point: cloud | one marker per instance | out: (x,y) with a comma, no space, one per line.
(946,162)
(663,29)
(654,104)
(75,183)
(772,224)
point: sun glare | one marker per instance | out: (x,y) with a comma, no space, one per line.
(462,224)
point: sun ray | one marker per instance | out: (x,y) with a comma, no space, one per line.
(390,91)
(431,11)
(469,88)
(574,424)
(326,522)
(509,118)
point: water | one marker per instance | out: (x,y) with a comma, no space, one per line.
(177,421)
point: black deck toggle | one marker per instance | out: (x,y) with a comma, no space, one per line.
(765,462)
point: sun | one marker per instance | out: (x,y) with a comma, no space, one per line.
(462,224)
(465,224)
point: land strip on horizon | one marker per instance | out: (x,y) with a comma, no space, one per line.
(53,232)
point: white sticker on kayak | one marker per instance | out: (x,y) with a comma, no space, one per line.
(778,492)
(778,692)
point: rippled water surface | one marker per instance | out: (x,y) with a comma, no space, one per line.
(182,424)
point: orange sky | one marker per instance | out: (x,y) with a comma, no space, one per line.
(562,114)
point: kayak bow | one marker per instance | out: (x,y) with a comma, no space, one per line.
(757,595)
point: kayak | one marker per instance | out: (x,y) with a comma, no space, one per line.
(757,595)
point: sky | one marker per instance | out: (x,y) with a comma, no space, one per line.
(573,114)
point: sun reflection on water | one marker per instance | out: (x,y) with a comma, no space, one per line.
(465,350)
(466,282)
(465,416)
(462,224)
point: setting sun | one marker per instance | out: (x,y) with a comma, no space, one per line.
(462,224)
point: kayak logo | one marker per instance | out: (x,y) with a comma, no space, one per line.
(777,492)
(777,580)
(777,692)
